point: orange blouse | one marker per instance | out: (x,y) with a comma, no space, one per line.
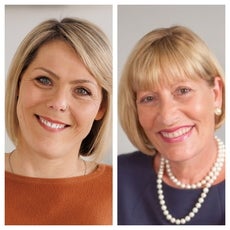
(84,200)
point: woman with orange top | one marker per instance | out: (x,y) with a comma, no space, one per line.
(58,99)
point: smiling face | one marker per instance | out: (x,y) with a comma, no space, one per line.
(178,119)
(58,101)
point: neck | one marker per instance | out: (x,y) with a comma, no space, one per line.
(26,162)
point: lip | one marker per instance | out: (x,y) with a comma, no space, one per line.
(50,124)
(176,134)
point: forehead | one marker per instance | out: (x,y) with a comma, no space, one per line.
(60,58)
(57,47)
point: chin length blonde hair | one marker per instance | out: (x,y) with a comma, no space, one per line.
(93,47)
(163,56)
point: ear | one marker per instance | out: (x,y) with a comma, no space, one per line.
(218,92)
(100,112)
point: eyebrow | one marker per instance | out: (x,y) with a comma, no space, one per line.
(72,82)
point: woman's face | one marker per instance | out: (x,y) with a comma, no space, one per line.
(58,101)
(179,119)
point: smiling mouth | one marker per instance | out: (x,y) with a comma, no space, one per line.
(177,133)
(52,125)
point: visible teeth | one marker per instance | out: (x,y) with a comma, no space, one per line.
(177,133)
(51,125)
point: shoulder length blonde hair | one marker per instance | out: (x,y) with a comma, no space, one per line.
(92,46)
(163,55)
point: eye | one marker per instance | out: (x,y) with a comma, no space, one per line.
(183,91)
(147,99)
(81,91)
(45,81)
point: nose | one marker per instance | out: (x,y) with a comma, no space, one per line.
(168,113)
(58,101)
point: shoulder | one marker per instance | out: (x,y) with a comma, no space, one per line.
(135,163)
(105,173)
(106,168)
(137,155)
(134,159)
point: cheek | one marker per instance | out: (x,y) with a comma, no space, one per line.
(22,115)
(203,109)
(28,96)
(145,118)
(85,113)
(27,100)
(23,110)
(83,119)
(202,112)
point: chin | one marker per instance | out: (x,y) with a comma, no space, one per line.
(179,157)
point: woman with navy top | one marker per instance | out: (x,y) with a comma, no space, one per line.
(171,101)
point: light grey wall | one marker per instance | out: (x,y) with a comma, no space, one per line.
(135,21)
(19,20)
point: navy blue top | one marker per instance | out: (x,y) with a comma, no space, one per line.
(138,202)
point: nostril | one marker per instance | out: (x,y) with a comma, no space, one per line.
(58,107)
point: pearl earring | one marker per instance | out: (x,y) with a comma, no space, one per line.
(218,111)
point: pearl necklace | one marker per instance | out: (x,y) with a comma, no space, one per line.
(207,182)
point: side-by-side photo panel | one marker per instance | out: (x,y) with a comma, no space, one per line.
(171,109)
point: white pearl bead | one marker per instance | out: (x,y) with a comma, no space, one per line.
(159,186)
(166,212)
(160,192)
(183,221)
(159,181)
(193,186)
(162,202)
(203,195)
(195,210)
(208,185)
(178,222)
(199,184)
(169,217)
